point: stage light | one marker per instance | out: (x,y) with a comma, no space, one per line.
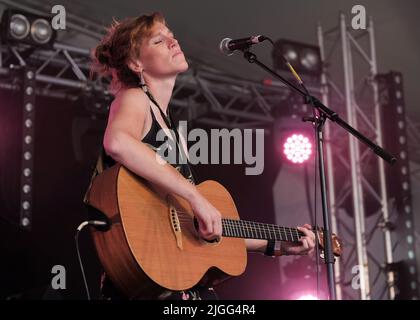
(305,58)
(293,140)
(19,26)
(310,59)
(297,148)
(291,54)
(28,130)
(41,31)
(27,172)
(22,27)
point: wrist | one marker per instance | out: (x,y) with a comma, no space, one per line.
(274,248)
(269,249)
(192,195)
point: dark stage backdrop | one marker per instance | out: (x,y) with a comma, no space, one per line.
(60,181)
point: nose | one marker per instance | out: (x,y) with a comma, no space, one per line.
(172,42)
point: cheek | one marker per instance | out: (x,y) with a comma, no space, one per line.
(156,62)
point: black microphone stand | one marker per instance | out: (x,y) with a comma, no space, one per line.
(320,114)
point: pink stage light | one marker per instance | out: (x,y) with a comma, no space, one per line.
(297,148)
(307,297)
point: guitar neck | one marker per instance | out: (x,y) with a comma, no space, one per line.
(255,230)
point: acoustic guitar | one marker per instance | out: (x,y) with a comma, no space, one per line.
(152,243)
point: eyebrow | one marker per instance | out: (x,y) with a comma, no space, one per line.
(169,32)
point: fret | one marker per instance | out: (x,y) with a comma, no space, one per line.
(248,230)
(243,224)
(279,229)
(273,232)
(259,229)
(232,228)
(254,230)
(225,226)
(241,231)
(289,231)
(267,228)
(297,235)
(284,234)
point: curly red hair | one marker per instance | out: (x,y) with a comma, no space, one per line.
(119,46)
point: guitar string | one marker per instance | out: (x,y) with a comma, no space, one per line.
(239,227)
(249,225)
(257,224)
(246,224)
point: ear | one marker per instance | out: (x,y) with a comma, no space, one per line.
(136,66)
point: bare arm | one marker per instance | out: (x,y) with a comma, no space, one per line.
(122,141)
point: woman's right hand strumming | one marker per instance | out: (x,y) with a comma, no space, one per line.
(209,218)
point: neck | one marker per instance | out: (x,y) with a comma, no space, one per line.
(255,230)
(161,89)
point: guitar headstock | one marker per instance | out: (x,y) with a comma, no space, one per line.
(336,242)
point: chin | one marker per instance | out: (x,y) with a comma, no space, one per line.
(183,67)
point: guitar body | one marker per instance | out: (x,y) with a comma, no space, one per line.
(152,245)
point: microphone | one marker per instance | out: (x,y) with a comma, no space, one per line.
(228,46)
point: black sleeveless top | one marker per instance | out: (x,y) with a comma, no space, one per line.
(150,139)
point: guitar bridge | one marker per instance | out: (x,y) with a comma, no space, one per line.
(176,226)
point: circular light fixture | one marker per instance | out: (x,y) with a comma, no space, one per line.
(27,172)
(290,54)
(29,107)
(25,222)
(19,26)
(297,148)
(26,205)
(26,188)
(309,59)
(41,31)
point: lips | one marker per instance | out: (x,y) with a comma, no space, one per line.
(176,54)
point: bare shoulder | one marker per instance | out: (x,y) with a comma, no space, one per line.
(133,99)
(128,112)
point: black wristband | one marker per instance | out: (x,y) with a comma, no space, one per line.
(269,250)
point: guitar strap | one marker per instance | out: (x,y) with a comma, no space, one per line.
(173,130)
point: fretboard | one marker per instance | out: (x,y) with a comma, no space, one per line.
(255,230)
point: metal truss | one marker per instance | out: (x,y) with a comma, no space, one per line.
(209,96)
(370,246)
